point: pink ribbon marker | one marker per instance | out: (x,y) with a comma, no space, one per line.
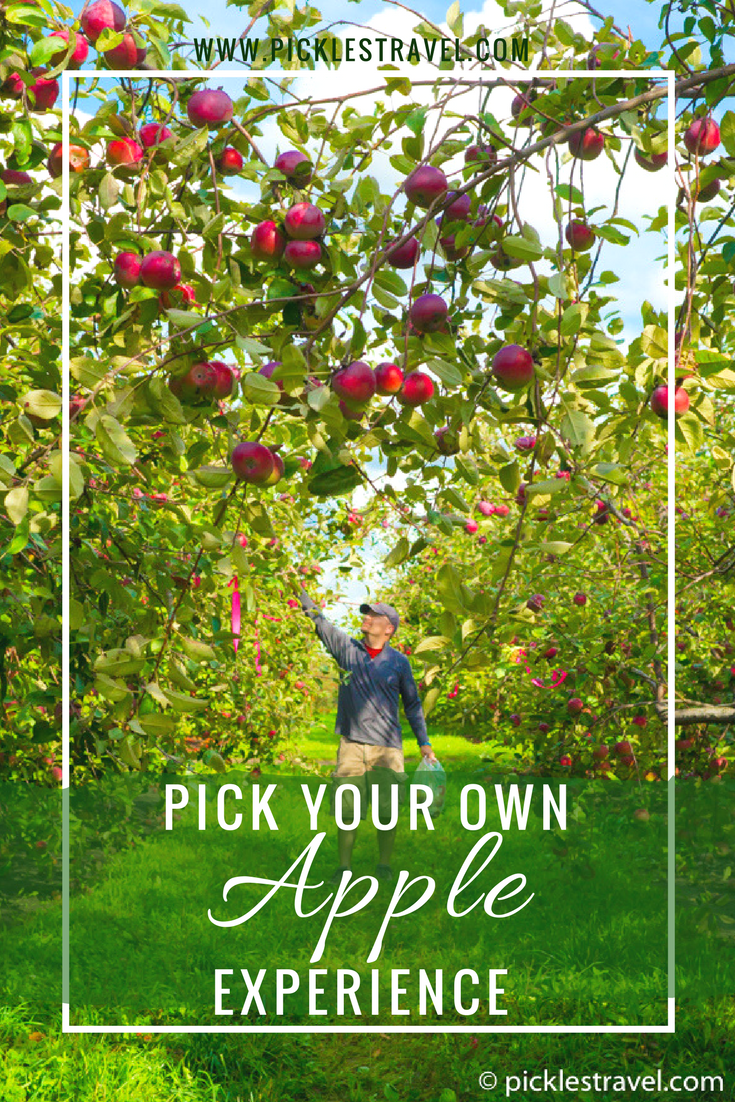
(235,611)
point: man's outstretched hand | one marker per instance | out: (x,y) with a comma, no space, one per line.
(427,753)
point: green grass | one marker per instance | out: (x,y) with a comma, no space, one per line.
(586,959)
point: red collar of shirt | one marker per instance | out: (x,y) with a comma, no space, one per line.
(373,651)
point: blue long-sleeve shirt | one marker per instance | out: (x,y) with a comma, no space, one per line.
(367,704)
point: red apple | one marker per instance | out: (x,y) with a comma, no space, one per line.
(486,508)
(160,270)
(579,236)
(388,378)
(152,134)
(471,527)
(447,442)
(702,137)
(230,161)
(580,599)
(278,470)
(660,402)
(81,49)
(623,748)
(458,210)
(126,55)
(350,412)
(600,752)
(124,151)
(267,371)
(428,313)
(355,384)
(302,254)
(417,388)
(405,255)
(41,95)
(512,366)
(707,193)
(550,652)
(224,379)
(544,728)
(535,603)
(101,16)
(602,513)
(13,177)
(424,185)
(267,242)
(182,295)
(304,222)
(209,107)
(252,462)
(651,162)
(515,719)
(197,383)
(502,510)
(486,154)
(574,706)
(520,104)
(587,144)
(295,166)
(126,271)
(450,250)
(78,159)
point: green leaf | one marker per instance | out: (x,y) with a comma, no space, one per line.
(568,191)
(157,724)
(45,48)
(197,650)
(546,487)
(522,249)
(212,477)
(555,547)
(16,504)
(20,212)
(116,445)
(432,642)
(571,320)
(180,702)
(398,555)
(184,319)
(429,701)
(577,428)
(727,132)
(611,472)
(22,138)
(455,21)
(259,390)
(594,375)
(510,477)
(690,431)
(655,342)
(41,403)
(335,481)
(108,191)
(446,373)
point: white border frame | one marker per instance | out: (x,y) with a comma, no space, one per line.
(670,190)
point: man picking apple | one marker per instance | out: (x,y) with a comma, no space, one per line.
(371,746)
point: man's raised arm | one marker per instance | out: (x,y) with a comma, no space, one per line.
(337,642)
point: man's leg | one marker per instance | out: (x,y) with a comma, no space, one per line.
(345,844)
(386,841)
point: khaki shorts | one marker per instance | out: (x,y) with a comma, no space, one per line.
(364,765)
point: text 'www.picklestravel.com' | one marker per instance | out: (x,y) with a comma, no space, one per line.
(560,1082)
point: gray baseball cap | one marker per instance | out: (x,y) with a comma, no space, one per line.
(382,609)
